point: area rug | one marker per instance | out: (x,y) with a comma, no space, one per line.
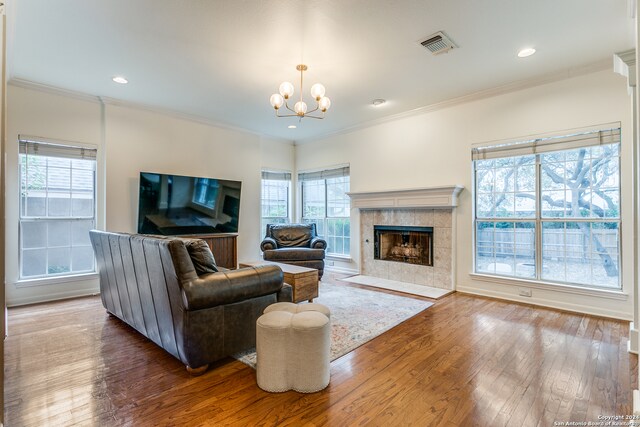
(357,316)
(395,285)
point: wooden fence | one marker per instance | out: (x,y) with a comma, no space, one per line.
(558,244)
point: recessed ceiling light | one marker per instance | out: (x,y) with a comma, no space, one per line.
(292,126)
(526,52)
(378,102)
(120,79)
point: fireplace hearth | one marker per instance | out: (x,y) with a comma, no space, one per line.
(406,244)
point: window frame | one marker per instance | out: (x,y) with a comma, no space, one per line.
(284,176)
(204,185)
(76,152)
(325,218)
(539,221)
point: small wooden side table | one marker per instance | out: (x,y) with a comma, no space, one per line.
(303,280)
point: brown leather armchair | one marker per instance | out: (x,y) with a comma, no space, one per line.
(171,291)
(296,244)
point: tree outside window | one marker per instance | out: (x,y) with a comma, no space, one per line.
(567,202)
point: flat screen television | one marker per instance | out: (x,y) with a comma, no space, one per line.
(176,205)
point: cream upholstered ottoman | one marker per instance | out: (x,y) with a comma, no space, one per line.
(292,346)
(298,308)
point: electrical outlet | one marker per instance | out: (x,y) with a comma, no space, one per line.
(524,292)
(330,263)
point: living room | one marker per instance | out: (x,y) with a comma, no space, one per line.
(425,146)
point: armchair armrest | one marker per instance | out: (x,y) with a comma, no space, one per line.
(214,289)
(318,243)
(268,244)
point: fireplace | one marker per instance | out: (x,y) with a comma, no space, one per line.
(417,209)
(407,244)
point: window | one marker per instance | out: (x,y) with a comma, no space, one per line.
(275,198)
(206,192)
(325,203)
(549,209)
(57,209)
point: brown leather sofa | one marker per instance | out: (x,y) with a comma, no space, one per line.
(170,290)
(296,244)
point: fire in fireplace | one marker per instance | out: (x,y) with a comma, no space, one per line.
(412,245)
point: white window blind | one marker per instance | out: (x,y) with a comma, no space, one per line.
(276,176)
(324,174)
(53,149)
(589,137)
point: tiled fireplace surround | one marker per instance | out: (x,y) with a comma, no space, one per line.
(439,275)
(426,207)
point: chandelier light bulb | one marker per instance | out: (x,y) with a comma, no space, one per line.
(300,108)
(324,104)
(276,100)
(286,106)
(317,91)
(286,90)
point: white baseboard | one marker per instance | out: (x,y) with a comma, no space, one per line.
(576,308)
(636,402)
(54,296)
(342,270)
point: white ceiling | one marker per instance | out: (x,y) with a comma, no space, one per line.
(221,60)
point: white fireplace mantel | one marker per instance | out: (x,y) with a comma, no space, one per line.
(430,197)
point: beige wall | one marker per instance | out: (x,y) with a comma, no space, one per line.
(433,148)
(131,140)
(277,154)
(139,140)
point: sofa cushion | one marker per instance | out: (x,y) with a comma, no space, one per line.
(294,254)
(201,256)
(288,235)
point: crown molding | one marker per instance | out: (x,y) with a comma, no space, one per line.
(179,115)
(624,63)
(594,67)
(105,100)
(602,65)
(53,90)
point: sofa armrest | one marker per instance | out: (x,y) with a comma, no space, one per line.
(318,243)
(214,289)
(268,244)
(286,293)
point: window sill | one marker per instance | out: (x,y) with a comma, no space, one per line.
(603,293)
(55,280)
(342,258)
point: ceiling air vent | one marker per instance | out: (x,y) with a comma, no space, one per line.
(438,43)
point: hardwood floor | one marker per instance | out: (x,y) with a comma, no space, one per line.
(465,361)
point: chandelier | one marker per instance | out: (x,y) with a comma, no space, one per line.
(300,108)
